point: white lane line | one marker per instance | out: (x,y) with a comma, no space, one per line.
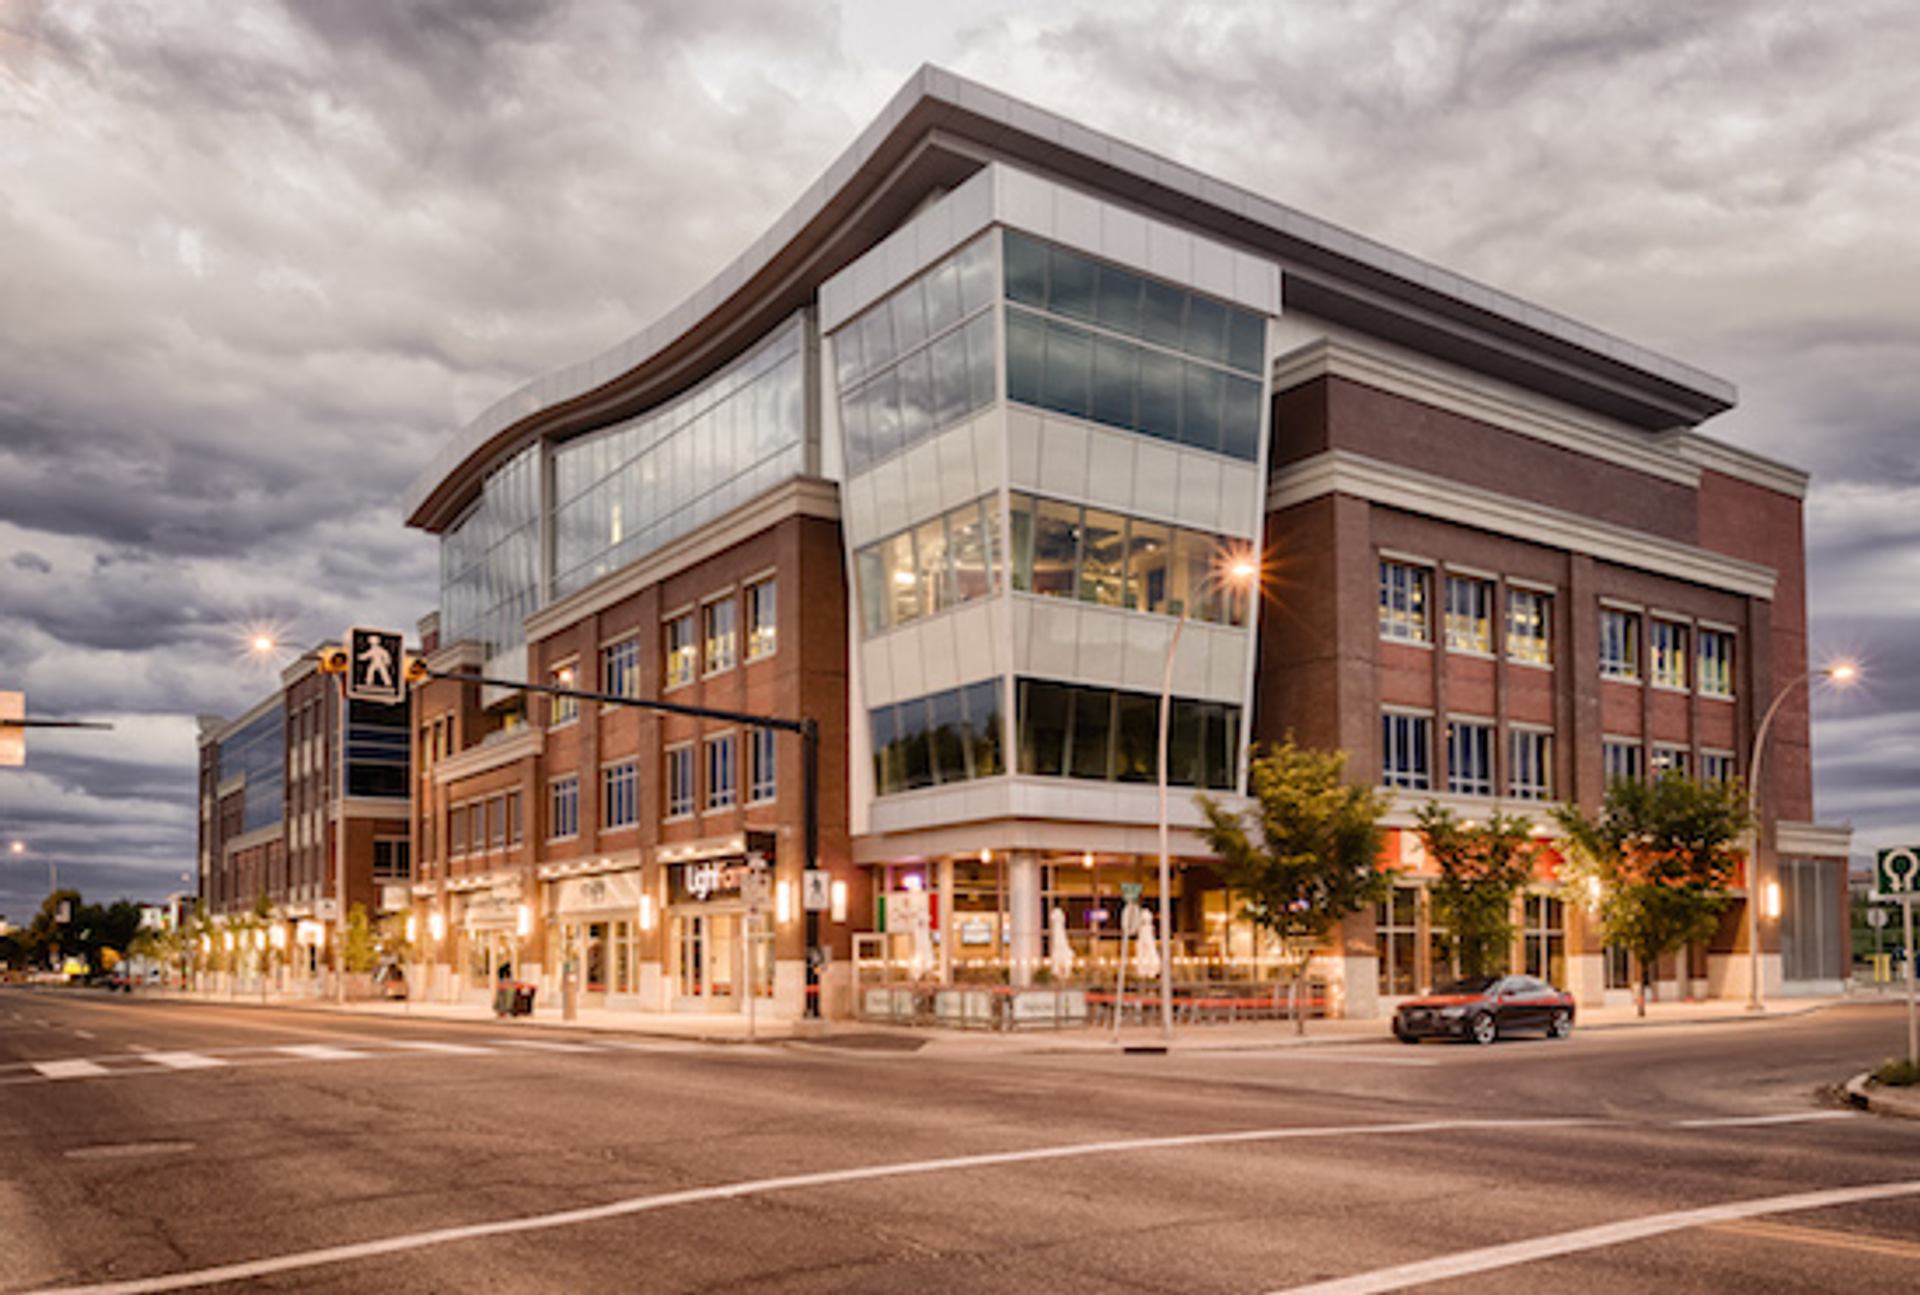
(1469,1262)
(319,1052)
(448,1049)
(182,1060)
(759,1187)
(76,1069)
(1743,1121)
(545,1045)
(88,1034)
(141,1047)
(1304,1054)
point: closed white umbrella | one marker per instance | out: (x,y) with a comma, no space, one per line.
(1059,951)
(922,942)
(1146,954)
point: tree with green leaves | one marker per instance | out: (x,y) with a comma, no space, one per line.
(1655,863)
(361,950)
(1482,866)
(1305,855)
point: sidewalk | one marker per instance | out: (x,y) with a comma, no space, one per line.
(732,1027)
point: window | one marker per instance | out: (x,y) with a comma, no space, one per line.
(1671,759)
(1716,663)
(1667,641)
(1140,355)
(679,761)
(1546,939)
(1469,614)
(1619,967)
(1404,758)
(477,826)
(1396,934)
(1622,759)
(1619,645)
(564,710)
(563,807)
(497,822)
(1716,766)
(951,736)
(719,618)
(682,652)
(1111,735)
(764,765)
(1812,930)
(1403,602)
(1469,758)
(1529,764)
(1062,550)
(457,830)
(619,798)
(1529,637)
(390,859)
(720,772)
(516,828)
(620,668)
(918,361)
(762,619)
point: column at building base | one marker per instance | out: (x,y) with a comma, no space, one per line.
(1587,979)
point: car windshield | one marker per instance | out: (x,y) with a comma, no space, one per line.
(1471,987)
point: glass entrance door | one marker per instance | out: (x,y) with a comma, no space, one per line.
(706,961)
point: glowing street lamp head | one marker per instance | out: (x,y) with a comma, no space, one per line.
(1242,570)
(1843,672)
(16,847)
(262,644)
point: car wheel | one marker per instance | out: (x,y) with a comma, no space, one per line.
(1406,1038)
(1485,1029)
(1561,1026)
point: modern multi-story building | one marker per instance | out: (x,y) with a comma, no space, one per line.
(302,791)
(953,461)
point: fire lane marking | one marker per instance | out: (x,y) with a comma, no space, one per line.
(182,1060)
(255,1268)
(319,1052)
(1467,1263)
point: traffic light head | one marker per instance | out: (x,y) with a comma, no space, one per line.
(416,671)
(332,660)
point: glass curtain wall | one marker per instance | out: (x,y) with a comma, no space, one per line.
(259,750)
(623,492)
(490,559)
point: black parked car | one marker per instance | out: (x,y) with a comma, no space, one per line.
(1482,1008)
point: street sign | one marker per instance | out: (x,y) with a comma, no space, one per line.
(1896,873)
(13,735)
(816,894)
(326,909)
(1876,918)
(1131,891)
(375,666)
(758,884)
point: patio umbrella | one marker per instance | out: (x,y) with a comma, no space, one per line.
(1146,954)
(1059,951)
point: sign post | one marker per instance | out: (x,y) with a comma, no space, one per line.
(1896,876)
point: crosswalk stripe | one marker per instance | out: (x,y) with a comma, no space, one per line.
(69,1069)
(546,1045)
(320,1052)
(448,1049)
(182,1060)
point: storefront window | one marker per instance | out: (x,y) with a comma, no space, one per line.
(1396,934)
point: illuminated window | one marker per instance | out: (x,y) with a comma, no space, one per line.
(762,618)
(1469,614)
(1529,636)
(1403,603)
(564,710)
(1716,663)
(1667,643)
(682,651)
(1619,645)
(719,618)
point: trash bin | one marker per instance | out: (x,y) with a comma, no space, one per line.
(523,1000)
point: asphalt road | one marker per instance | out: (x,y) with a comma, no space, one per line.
(159,1145)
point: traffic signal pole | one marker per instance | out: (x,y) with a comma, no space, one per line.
(808,730)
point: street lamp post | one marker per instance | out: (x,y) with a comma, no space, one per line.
(1841,673)
(1240,575)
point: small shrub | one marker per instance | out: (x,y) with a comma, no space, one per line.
(1897,1074)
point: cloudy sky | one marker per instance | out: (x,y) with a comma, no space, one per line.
(257,259)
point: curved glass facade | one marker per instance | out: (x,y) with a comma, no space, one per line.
(620,493)
(490,560)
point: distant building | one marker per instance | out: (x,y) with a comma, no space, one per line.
(942,461)
(300,792)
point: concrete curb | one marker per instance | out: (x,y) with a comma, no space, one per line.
(1869,1096)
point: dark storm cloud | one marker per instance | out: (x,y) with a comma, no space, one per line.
(33,562)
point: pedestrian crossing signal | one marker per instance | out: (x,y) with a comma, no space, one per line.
(375,664)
